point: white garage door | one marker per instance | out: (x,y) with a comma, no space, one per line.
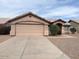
(29,29)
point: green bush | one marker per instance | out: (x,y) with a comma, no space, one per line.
(54,29)
(73,30)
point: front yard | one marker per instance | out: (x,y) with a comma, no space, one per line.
(69,45)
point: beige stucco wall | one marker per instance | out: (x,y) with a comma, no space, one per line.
(12,32)
(46,30)
(63,30)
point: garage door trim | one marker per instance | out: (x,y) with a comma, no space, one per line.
(43,30)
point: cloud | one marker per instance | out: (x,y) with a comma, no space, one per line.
(17,7)
(25,3)
(44,8)
(62,11)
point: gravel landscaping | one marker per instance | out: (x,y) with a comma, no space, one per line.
(4,38)
(69,45)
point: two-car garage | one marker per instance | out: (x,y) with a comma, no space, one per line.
(28,24)
(29,29)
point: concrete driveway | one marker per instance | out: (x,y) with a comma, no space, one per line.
(30,47)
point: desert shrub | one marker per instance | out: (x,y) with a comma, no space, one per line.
(73,30)
(54,29)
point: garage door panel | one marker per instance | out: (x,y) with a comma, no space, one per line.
(29,29)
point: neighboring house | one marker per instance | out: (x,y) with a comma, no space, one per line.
(75,24)
(29,24)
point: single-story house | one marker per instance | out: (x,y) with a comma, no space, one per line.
(75,24)
(31,24)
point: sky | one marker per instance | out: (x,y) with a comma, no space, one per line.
(49,9)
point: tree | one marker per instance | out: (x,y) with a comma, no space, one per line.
(4,30)
(54,29)
(73,30)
